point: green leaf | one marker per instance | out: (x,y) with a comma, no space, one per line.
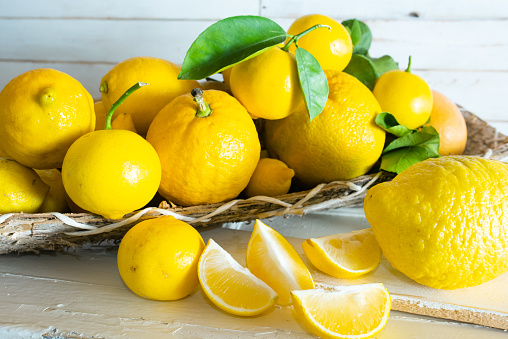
(362,41)
(402,158)
(313,82)
(227,42)
(363,69)
(388,122)
(419,138)
(384,64)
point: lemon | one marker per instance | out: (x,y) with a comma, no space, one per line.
(268,84)
(100,115)
(230,286)
(344,255)
(56,199)
(144,105)
(157,258)
(357,312)
(341,143)
(21,189)
(332,47)
(272,259)
(124,121)
(444,222)
(270,178)
(405,95)
(42,112)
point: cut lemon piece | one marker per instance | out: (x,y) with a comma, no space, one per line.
(359,311)
(230,286)
(271,258)
(345,255)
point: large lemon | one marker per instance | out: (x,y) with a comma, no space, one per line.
(444,222)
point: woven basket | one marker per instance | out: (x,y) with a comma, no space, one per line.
(22,232)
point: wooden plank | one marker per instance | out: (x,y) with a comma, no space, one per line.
(389,9)
(128,9)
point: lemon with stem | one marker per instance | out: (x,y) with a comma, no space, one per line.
(111,172)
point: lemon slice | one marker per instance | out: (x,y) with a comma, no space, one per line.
(359,311)
(230,286)
(345,255)
(271,258)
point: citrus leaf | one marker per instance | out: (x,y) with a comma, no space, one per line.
(227,42)
(362,44)
(400,159)
(384,64)
(363,69)
(417,138)
(313,82)
(388,122)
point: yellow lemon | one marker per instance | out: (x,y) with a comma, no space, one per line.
(100,115)
(341,143)
(124,121)
(21,189)
(270,178)
(230,286)
(332,47)
(443,222)
(405,95)
(346,312)
(268,84)
(56,199)
(344,255)
(42,112)
(271,258)
(144,105)
(158,258)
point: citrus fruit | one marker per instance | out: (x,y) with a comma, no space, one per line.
(208,148)
(216,85)
(144,105)
(42,112)
(359,311)
(56,199)
(270,178)
(344,255)
(226,75)
(21,189)
(100,115)
(443,222)
(124,121)
(158,258)
(2,153)
(332,47)
(446,118)
(111,172)
(405,95)
(268,84)
(341,143)
(230,286)
(271,258)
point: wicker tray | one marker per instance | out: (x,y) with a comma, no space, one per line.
(55,231)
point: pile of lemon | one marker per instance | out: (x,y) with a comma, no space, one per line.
(442,222)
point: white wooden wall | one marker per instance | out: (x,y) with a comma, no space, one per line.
(459,47)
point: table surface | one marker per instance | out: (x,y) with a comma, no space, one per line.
(81,295)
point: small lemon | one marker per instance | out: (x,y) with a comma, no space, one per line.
(21,189)
(271,178)
(144,105)
(124,121)
(56,199)
(42,112)
(444,222)
(100,115)
(158,258)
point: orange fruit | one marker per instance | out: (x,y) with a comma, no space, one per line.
(446,118)
(332,48)
(205,158)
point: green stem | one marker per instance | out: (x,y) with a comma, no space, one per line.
(117,103)
(204,109)
(294,38)
(408,69)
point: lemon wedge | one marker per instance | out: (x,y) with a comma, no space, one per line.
(344,255)
(271,258)
(230,286)
(358,312)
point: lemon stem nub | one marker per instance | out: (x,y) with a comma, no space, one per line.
(47,97)
(204,109)
(295,38)
(408,69)
(117,103)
